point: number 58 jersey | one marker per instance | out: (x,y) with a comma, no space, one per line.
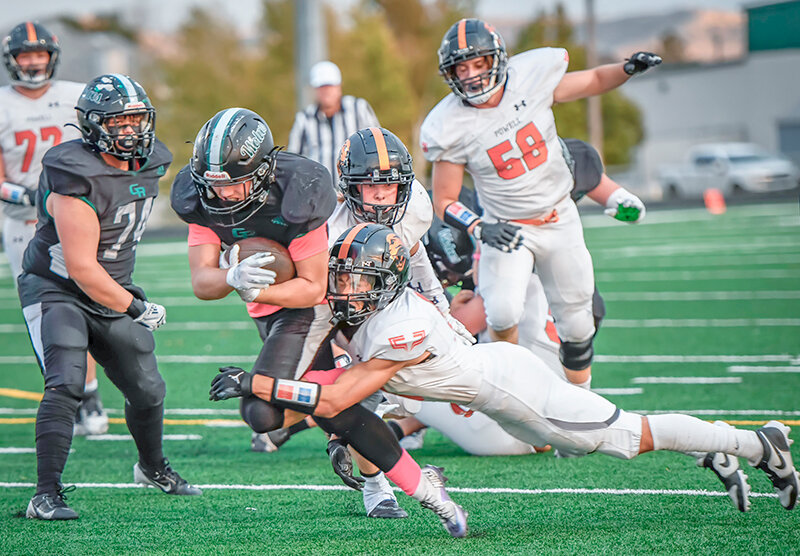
(122,201)
(512,150)
(28,127)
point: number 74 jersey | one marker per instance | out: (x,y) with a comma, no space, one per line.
(512,150)
(122,201)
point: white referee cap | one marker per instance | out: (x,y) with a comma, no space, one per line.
(325,73)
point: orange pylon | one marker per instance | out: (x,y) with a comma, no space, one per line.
(715,202)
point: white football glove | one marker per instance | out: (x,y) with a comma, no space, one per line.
(625,206)
(459,328)
(154,316)
(223,264)
(247,277)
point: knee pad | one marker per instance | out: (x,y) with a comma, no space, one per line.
(259,415)
(576,356)
(503,314)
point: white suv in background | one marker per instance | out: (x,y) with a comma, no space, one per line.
(730,167)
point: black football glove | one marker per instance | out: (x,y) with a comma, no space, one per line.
(500,235)
(641,62)
(343,464)
(231,382)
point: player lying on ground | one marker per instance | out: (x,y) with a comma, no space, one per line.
(405,346)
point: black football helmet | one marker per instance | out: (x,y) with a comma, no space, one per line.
(375,155)
(465,40)
(112,96)
(30,37)
(368,269)
(233,147)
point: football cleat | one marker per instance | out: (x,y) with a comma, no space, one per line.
(777,463)
(388,509)
(269,441)
(165,478)
(726,467)
(452,516)
(51,506)
(91,418)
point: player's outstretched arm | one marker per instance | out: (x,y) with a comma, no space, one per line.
(576,85)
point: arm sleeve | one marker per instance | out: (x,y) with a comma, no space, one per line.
(200,235)
(424,280)
(296,134)
(310,244)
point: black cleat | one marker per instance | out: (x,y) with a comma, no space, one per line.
(51,506)
(777,462)
(165,478)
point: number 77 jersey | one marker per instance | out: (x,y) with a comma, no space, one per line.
(512,150)
(122,201)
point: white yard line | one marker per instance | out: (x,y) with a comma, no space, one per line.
(618,391)
(684,275)
(686,380)
(762,370)
(464,490)
(129,437)
(697,323)
(700,296)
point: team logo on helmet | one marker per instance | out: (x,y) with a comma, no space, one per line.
(393,250)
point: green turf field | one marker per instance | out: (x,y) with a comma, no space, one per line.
(689,296)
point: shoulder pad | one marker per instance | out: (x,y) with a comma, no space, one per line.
(161,156)
(308,195)
(68,167)
(442,131)
(183,196)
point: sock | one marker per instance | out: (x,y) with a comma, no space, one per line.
(396,429)
(687,434)
(54,422)
(90,387)
(147,428)
(376,490)
(407,475)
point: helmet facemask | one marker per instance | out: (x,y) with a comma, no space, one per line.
(386,214)
(111,136)
(355,292)
(259,182)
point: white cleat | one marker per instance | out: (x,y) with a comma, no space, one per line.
(91,419)
(726,467)
(452,516)
(777,462)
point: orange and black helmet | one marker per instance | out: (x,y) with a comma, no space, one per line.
(468,39)
(367,270)
(30,37)
(372,156)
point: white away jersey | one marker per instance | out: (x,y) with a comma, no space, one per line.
(28,128)
(406,329)
(414,224)
(512,151)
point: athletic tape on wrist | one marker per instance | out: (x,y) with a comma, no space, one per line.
(136,309)
(296,395)
(459,216)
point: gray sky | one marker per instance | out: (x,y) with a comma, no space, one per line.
(165,15)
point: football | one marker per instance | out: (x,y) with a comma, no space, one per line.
(283,264)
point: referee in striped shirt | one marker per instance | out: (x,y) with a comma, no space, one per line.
(320,130)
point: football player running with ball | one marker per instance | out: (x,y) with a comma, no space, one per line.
(95,196)
(236,185)
(405,346)
(35,114)
(498,125)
